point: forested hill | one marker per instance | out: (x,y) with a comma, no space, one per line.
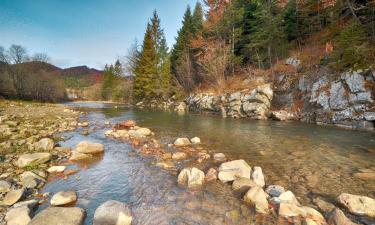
(43,81)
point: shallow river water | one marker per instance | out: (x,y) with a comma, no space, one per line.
(306,159)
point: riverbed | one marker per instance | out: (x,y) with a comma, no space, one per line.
(309,160)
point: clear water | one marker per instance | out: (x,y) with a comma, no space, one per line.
(307,159)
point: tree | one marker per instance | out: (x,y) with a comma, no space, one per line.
(41,57)
(17,54)
(108,82)
(351,49)
(197,19)
(3,56)
(131,58)
(146,69)
(117,69)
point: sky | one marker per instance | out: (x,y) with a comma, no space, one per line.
(84,32)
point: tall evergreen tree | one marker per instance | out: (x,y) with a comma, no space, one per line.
(146,69)
(197,19)
(108,82)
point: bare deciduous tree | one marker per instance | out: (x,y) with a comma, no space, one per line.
(17,54)
(3,56)
(41,57)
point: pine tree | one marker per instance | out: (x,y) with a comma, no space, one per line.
(182,40)
(146,69)
(197,19)
(351,49)
(117,70)
(108,82)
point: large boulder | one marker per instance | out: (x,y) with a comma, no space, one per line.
(18,216)
(257,176)
(144,132)
(192,177)
(63,198)
(33,159)
(338,99)
(59,216)
(256,196)
(182,142)
(45,144)
(4,186)
(230,171)
(282,115)
(359,205)
(289,198)
(195,140)
(355,81)
(86,147)
(112,213)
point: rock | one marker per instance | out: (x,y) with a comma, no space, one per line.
(282,115)
(30,182)
(33,159)
(242,185)
(63,198)
(355,81)
(323,205)
(256,196)
(166,165)
(4,186)
(230,171)
(369,116)
(219,157)
(18,216)
(29,204)
(112,213)
(359,205)
(56,169)
(76,156)
(338,98)
(337,217)
(288,197)
(182,142)
(181,107)
(127,124)
(291,210)
(89,148)
(45,144)
(13,196)
(195,140)
(144,132)
(121,134)
(293,62)
(309,222)
(365,175)
(179,155)
(275,190)
(257,176)
(211,175)
(313,214)
(193,177)
(59,216)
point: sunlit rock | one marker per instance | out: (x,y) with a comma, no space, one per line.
(45,144)
(230,171)
(18,216)
(257,197)
(112,213)
(63,198)
(359,205)
(59,215)
(89,148)
(33,159)
(192,177)
(182,142)
(257,176)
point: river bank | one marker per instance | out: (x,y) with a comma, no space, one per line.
(129,169)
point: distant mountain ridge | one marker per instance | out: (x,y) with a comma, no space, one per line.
(73,77)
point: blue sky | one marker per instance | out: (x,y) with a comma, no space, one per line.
(84,32)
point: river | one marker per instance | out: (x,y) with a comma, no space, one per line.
(307,159)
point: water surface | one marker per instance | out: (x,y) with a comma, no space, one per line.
(307,159)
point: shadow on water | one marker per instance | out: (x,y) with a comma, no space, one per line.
(303,158)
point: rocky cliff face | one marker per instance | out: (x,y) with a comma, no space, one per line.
(254,104)
(320,97)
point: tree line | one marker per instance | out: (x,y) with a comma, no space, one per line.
(28,77)
(223,38)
